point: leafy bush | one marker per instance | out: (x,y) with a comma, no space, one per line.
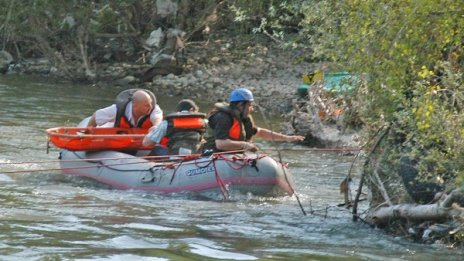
(410,51)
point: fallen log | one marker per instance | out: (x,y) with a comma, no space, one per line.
(449,208)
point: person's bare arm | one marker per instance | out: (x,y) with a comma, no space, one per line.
(275,136)
(156,134)
(229,145)
(92,122)
(157,120)
(147,142)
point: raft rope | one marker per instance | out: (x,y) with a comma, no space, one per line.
(175,170)
(160,160)
(184,159)
(215,156)
(220,182)
(156,158)
(181,159)
(339,149)
(167,161)
(61,169)
(163,160)
(280,160)
(246,160)
(170,157)
(290,186)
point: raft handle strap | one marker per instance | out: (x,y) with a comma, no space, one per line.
(222,186)
(175,170)
(253,164)
(152,179)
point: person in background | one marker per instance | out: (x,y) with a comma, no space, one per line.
(233,127)
(133,108)
(180,133)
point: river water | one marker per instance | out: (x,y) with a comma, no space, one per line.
(49,216)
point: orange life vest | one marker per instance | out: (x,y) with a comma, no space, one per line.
(185,121)
(185,129)
(144,123)
(236,131)
(122,100)
(241,129)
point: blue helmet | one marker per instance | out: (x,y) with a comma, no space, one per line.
(241,94)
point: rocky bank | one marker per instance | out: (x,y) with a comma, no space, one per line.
(212,68)
(272,74)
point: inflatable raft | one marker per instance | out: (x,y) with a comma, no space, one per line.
(257,174)
(95,153)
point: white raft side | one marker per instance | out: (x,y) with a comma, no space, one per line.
(124,171)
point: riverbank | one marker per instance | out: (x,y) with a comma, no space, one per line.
(87,220)
(214,67)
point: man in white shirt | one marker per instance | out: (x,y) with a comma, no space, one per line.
(134,108)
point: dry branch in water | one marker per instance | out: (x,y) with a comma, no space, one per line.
(447,209)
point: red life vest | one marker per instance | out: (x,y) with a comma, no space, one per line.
(241,130)
(144,123)
(122,100)
(236,131)
(185,121)
(185,129)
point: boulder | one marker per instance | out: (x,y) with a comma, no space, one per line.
(5,60)
(165,8)
(155,38)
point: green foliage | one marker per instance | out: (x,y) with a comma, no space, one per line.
(71,33)
(275,18)
(410,52)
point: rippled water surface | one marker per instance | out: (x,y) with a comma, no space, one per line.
(48,216)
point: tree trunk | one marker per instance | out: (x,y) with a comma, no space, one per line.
(445,209)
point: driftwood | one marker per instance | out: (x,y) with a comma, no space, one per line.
(83,38)
(363,175)
(449,208)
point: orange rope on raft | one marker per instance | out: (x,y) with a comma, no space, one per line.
(99,159)
(170,157)
(170,164)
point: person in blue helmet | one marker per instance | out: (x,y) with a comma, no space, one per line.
(233,127)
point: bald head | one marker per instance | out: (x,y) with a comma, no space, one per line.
(142,103)
(141,96)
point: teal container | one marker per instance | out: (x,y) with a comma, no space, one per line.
(336,81)
(302,90)
(339,81)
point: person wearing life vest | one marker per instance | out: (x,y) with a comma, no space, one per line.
(180,133)
(133,108)
(233,127)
